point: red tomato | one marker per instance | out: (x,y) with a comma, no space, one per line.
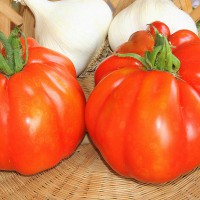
(139,42)
(182,37)
(188,54)
(114,63)
(160,26)
(41,113)
(145,123)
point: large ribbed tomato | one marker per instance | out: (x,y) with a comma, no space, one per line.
(146,121)
(41,110)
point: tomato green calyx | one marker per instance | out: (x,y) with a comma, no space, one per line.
(11,61)
(161,58)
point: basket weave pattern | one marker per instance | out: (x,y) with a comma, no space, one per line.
(85,175)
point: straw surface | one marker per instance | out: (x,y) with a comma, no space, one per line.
(85,176)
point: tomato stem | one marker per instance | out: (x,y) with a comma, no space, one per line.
(26,48)
(4,67)
(161,58)
(12,62)
(7,61)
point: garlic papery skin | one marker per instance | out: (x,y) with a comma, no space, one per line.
(195,3)
(142,12)
(75,28)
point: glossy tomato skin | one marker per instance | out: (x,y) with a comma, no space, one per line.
(112,63)
(139,42)
(42,55)
(161,28)
(182,37)
(30,41)
(188,54)
(41,113)
(143,125)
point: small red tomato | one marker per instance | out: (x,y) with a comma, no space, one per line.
(139,42)
(160,26)
(182,37)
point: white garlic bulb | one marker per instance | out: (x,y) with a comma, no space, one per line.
(75,28)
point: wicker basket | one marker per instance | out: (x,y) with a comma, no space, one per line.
(85,175)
